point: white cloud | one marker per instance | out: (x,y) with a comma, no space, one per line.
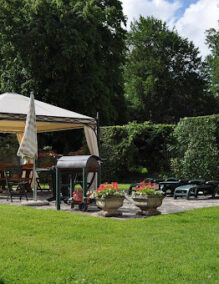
(161,9)
(196,19)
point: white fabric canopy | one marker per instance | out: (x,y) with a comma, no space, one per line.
(91,137)
(14,109)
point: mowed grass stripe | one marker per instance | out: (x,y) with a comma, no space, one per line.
(38,246)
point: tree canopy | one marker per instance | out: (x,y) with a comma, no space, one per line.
(212,60)
(164,75)
(68,52)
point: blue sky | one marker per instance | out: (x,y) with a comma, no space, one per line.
(191,18)
(185,4)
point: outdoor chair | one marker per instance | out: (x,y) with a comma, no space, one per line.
(2,174)
(195,186)
(170,184)
(2,180)
(208,188)
(27,175)
(17,186)
(45,176)
(188,189)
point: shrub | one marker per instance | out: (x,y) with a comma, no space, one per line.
(196,148)
(8,148)
(135,149)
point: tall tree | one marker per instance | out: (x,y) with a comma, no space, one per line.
(164,78)
(212,60)
(68,52)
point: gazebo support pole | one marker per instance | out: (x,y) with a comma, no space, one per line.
(57,189)
(98,144)
(85,183)
(71,189)
(34,181)
(71,186)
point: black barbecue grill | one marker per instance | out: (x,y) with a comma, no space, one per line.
(73,166)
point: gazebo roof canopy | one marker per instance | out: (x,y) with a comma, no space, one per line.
(13,111)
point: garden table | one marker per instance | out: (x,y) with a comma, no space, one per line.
(52,172)
(170,185)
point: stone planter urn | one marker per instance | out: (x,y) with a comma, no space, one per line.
(148,204)
(110,206)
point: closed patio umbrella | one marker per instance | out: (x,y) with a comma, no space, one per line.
(28,147)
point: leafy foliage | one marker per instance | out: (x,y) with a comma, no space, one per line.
(164,75)
(67,52)
(8,148)
(213,61)
(197,148)
(134,149)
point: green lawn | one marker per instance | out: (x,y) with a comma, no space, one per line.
(38,246)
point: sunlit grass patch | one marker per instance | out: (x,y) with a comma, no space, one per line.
(38,246)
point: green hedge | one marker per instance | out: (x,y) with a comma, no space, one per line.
(197,148)
(134,151)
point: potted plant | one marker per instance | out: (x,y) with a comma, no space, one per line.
(109,198)
(148,198)
(47,157)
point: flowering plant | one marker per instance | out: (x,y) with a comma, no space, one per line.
(147,188)
(47,158)
(107,189)
(48,154)
(81,151)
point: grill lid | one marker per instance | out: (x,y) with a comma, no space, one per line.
(91,162)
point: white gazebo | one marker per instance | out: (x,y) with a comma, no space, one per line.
(49,118)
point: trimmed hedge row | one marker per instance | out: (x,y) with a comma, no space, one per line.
(135,150)
(196,148)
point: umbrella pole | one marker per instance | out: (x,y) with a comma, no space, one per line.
(34,181)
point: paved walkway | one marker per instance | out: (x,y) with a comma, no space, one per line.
(129,210)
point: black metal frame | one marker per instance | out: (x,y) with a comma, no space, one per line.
(13,177)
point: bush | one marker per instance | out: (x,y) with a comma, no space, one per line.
(135,149)
(8,148)
(196,148)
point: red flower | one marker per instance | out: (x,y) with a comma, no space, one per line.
(146,185)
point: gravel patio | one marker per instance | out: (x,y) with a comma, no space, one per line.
(129,210)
